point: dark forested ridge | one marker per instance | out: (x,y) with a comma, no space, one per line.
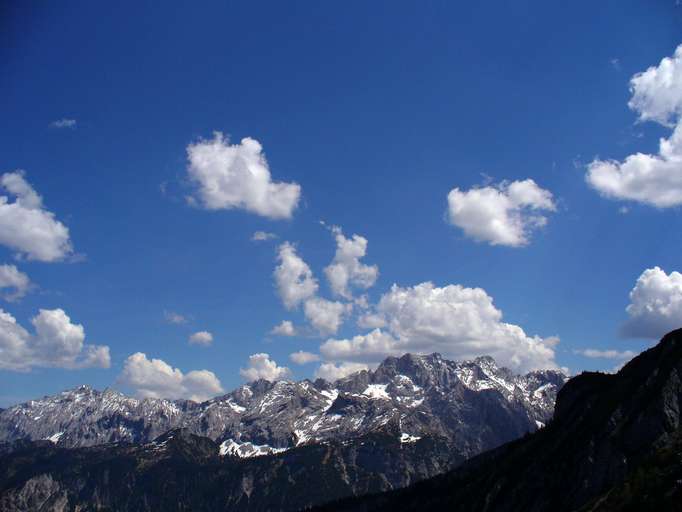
(183,471)
(615,444)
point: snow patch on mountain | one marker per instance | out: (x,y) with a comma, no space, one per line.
(376,391)
(54,438)
(407,438)
(247,449)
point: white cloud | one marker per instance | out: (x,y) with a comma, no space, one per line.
(154,378)
(362,301)
(261,236)
(346,270)
(458,322)
(204,338)
(296,284)
(371,321)
(262,367)
(302,357)
(284,328)
(655,304)
(606,354)
(11,277)
(174,318)
(26,227)
(57,343)
(657,92)
(505,214)
(293,277)
(332,372)
(374,346)
(238,176)
(64,123)
(650,179)
(325,315)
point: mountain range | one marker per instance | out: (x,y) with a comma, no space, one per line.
(283,445)
(475,404)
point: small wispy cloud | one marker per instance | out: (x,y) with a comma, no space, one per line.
(64,123)
(262,236)
(13,279)
(285,328)
(203,338)
(302,357)
(615,64)
(174,318)
(606,354)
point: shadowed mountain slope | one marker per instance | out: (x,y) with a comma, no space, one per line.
(614,445)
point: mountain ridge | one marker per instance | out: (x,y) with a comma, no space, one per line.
(426,394)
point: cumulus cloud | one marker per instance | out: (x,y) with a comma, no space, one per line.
(15,280)
(362,301)
(655,304)
(346,270)
(657,92)
(174,318)
(203,338)
(302,357)
(262,367)
(374,346)
(458,322)
(332,372)
(370,320)
(63,123)
(284,328)
(325,315)
(294,279)
(650,179)
(231,176)
(26,226)
(57,343)
(505,214)
(154,378)
(262,236)
(606,354)
(296,284)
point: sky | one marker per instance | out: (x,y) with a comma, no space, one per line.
(201,195)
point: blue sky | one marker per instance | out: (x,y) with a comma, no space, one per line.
(377,111)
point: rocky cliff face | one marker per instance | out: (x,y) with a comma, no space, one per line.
(265,446)
(475,404)
(614,444)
